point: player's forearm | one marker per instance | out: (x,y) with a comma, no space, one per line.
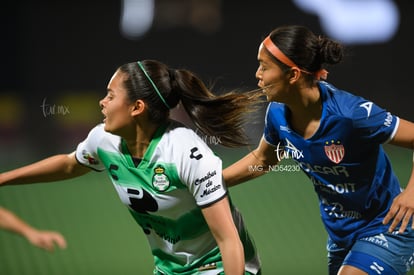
(410,184)
(11,222)
(54,168)
(233,257)
(247,168)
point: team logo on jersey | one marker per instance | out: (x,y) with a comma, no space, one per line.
(367,106)
(335,151)
(195,154)
(91,160)
(160,180)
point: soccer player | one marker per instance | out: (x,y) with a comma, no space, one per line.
(336,138)
(40,238)
(164,172)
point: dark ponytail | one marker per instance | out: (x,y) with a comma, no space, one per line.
(223,116)
(216,115)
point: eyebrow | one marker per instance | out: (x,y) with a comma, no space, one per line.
(262,62)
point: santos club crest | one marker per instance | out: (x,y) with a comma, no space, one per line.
(335,151)
(160,180)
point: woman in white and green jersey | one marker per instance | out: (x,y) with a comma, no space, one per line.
(165,174)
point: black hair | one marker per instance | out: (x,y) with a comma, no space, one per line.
(214,115)
(307,50)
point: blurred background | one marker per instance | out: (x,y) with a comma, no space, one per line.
(58,56)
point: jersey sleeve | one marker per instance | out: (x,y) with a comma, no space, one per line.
(270,133)
(201,171)
(87,150)
(373,122)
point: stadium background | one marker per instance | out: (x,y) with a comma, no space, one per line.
(57,58)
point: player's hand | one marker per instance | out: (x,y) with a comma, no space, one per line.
(401,210)
(46,239)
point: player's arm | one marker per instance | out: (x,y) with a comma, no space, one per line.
(244,169)
(220,221)
(42,239)
(55,168)
(402,208)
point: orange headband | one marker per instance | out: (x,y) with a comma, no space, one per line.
(276,52)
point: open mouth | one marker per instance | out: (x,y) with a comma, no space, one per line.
(104,116)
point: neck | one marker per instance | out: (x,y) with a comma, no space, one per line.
(139,140)
(307,103)
(306,112)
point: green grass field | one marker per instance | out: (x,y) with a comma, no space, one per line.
(280,209)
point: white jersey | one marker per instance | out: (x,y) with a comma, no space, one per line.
(177,175)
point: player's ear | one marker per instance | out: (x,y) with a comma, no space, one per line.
(138,107)
(294,74)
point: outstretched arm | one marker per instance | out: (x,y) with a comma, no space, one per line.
(252,165)
(402,208)
(42,239)
(59,167)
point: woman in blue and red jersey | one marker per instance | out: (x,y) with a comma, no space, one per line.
(336,138)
